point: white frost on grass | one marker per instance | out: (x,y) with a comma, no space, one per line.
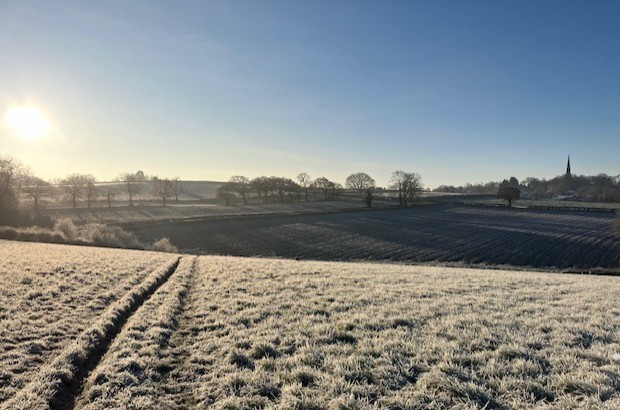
(49,294)
(260,333)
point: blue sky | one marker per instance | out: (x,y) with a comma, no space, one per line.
(458,91)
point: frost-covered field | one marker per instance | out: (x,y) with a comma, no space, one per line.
(175,211)
(49,294)
(235,333)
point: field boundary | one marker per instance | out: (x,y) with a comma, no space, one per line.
(57,383)
(540,207)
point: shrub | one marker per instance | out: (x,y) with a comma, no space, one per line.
(164,245)
(112,236)
(617,223)
(67,228)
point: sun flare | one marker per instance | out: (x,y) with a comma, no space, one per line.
(27,122)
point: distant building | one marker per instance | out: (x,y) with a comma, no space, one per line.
(568,174)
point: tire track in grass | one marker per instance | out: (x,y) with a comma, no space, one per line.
(142,364)
(56,384)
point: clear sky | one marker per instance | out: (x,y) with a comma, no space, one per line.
(458,91)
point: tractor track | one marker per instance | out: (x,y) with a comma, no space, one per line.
(57,386)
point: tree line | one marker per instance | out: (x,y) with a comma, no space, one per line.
(240,188)
(595,188)
(84,190)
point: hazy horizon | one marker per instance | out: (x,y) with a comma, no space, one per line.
(457,92)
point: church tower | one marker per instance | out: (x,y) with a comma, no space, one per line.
(568,174)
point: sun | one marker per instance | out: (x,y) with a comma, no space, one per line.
(27,122)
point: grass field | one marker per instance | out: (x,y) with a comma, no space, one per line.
(438,233)
(243,333)
(50,294)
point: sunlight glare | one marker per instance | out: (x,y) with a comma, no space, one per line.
(27,122)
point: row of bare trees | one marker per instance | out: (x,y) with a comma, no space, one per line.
(15,178)
(279,189)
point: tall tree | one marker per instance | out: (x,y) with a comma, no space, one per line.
(91,190)
(225,193)
(241,185)
(178,188)
(508,193)
(164,188)
(36,188)
(304,182)
(325,185)
(12,173)
(359,181)
(75,187)
(260,185)
(408,184)
(133,183)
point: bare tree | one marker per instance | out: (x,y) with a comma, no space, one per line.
(304,182)
(178,188)
(260,185)
(509,193)
(92,191)
(11,176)
(240,185)
(225,193)
(36,188)
(75,187)
(359,181)
(408,184)
(133,184)
(109,194)
(325,185)
(283,187)
(164,188)
(370,196)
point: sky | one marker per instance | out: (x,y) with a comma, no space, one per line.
(457,91)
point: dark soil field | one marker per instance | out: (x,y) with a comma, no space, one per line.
(442,233)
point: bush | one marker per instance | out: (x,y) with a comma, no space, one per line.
(617,223)
(111,236)
(164,245)
(67,228)
(65,231)
(22,219)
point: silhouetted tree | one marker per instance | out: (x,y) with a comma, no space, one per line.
(75,187)
(260,186)
(91,190)
(240,185)
(304,182)
(370,195)
(509,194)
(133,183)
(225,193)
(359,181)
(36,188)
(164,188)
(408,184)
(11,175)
(325,185)
(178,188)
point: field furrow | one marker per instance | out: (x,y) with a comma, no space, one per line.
(441,233)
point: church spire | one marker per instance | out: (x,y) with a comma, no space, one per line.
(568,174)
